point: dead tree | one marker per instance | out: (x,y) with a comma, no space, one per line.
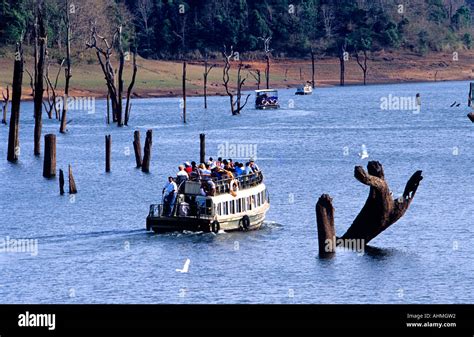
(108,152)
(114,86)
(61,182)
(51,92)
(49,160)
(6,99)
(342,63)
(184,92)
(362,64)
(13,134)
(72,183)
(147,151)
(313,83)
(67,71)
(40,54)
(32,86)
(267,50)
(202,148)
(256,75)
(207,70)
(235,99)
(379,212)
(128,105)
(137,148)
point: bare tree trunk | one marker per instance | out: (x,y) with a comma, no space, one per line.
(363,65)
(72,183)
(13,135)
(325,222)
(380,210)
(67,71)
(61,182)
(184,92)
(39,73)
(6,100)
(202,148)
(49,160)
(120,79)
(108,107)
(128,105)
(236,105)
(313,83)
(267,71)
(207,70)
(342,69)
(147,151)
(137,148)
(108,151)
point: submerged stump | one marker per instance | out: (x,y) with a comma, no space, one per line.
(108,146)
(147,151)
(72,183)
(379,212)
(202,148)
(471,116)
(49,160)
(61,182)
(137,148)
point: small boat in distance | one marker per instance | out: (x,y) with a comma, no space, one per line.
(237,204)
(266,99)
(307,89)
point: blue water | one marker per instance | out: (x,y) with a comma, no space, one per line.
(93,248)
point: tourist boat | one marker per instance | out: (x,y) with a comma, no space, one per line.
(266,99)
(307,89)
(238,204)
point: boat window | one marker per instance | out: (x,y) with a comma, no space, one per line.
(226,209)
(232,207)
(219,208)
(249,203)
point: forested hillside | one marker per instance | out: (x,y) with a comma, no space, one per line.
(194,28)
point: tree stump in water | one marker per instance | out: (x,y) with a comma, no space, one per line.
(72,183)
(137,148)
(471,116)
(61,182)
(49,160)
(325,222)
(14,129)
(108,145)
(202,148)
(379,212)
(147,151)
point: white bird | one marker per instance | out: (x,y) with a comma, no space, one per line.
(364,153)
(185,267)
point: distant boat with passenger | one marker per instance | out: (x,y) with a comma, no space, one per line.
(232,204)
(307,89)
(266,99)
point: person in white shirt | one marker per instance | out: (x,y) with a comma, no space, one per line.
(169,196)
(181,177)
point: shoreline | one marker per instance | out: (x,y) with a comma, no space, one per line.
(162,79)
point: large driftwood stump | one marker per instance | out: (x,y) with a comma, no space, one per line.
(471,116)
(325,222)
(379,212)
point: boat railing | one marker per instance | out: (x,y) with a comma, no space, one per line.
(243,182)
(189,211)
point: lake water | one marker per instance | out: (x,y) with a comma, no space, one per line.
(93,247)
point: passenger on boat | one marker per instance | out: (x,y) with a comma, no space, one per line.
(169,196)
(204,187)
(219,162)
(253,166)
(181,177)
(188,168)
(212,188)
(195,174)
(248,168)
(205,172)
(238,169)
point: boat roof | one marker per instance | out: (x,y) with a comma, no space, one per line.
(266,90)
